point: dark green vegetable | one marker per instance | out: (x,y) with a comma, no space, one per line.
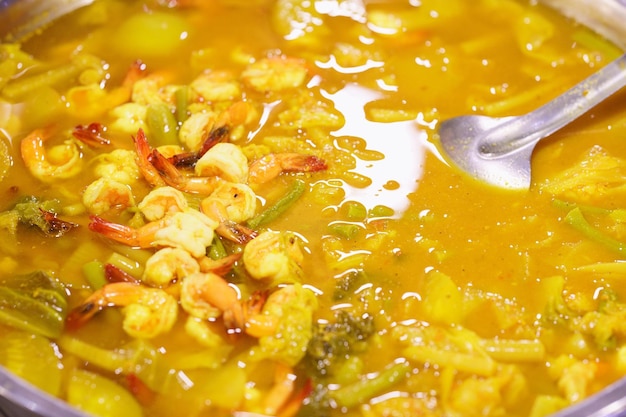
(34,302)
(333,343)
(42,214)
(273,212)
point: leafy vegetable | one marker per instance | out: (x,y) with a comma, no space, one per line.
(34,302)
(41,214)
(333,343)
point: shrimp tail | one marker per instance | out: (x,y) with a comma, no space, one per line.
(167,171)
(235,232)
(118,232)
(113,274)
(81,315)
(144,156)
(303,163)
(219,266)
(91,135)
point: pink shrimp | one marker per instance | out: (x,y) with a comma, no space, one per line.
(272,165)
(144,152)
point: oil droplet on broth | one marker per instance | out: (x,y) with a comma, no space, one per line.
(402,143)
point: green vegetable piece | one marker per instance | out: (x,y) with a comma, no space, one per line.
(34,302)
(356,211)
(41,214)
(100,396)
(364,389)
(32,358)
(381,211)
(345,230)
(162,125)
(282,205)
(182,102)
(577,220)
(94,274)
(5,156)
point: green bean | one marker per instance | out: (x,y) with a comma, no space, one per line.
(94,274)
(182,102)
(162,125)
(364,389)
(282,205)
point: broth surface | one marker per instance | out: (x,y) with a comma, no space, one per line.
(402,287)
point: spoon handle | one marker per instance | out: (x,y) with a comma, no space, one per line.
(560,111)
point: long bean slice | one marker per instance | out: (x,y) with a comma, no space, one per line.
(364,389)
(282,205)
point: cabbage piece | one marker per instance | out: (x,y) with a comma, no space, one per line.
(33,302)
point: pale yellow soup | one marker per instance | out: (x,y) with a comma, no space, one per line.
(389,284)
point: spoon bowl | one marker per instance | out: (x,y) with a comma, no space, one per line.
(498,151)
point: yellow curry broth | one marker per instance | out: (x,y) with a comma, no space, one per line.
(483,300)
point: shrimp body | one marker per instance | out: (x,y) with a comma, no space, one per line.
(270,166)
(275,256)
(175,178)
(104,194)
(68,156)
(208,296)
(118,165)
(237,202)
(224,160)
(284,324)
(189,230)
(161,202)
(275,74)
(148,312)
(169,265)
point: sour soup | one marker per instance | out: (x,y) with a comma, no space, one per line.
(239,208)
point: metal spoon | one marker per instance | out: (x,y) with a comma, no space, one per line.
(498,150)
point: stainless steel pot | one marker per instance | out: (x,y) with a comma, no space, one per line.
(18,18)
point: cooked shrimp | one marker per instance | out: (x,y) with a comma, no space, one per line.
(92,100)
(208,296)
(218,266)
(284,324)
(175,178)
(189,230)
(142,158)
(118,165)
(204,129)
(60,162)
(275,256)
(104,194)
(129,117)
(224,160)
(211,86)
(169,265)
(195,129)
(91,135)
(154,89)
(275,74)
(237,201)
(161,202)
(270,166)
(148,312)
(231,230)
